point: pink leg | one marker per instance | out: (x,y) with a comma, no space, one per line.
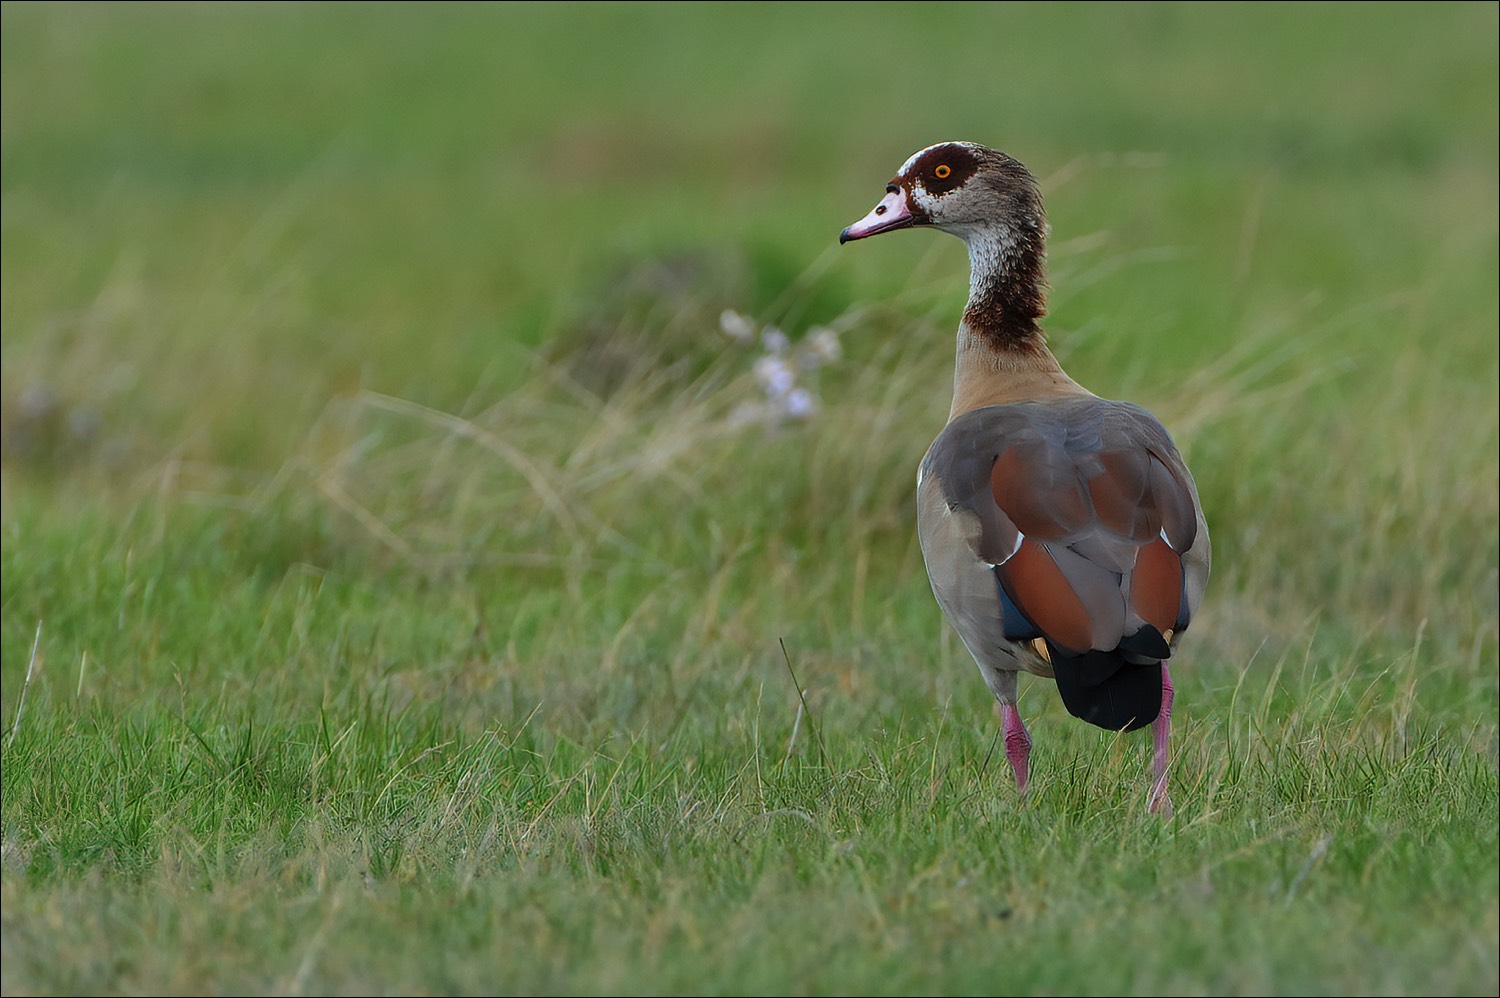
(1162,727)
(1017,743)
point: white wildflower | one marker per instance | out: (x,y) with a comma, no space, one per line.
(775,375)
(740,328)
(799,404)
(823,343)
(774,340)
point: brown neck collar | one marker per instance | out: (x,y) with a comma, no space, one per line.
(1007,289)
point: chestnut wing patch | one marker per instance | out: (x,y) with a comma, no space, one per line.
(1082,514)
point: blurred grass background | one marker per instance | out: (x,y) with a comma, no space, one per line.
(409,585)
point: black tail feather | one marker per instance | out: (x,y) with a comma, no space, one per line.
(1145,646)
(1105,689)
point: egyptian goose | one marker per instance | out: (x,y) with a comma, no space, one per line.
(1062,532)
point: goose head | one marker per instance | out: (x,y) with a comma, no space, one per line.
(962,188)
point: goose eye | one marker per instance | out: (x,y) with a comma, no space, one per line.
(942,171)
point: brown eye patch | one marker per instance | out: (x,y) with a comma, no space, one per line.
(945,168)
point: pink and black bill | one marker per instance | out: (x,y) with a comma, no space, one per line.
(893,212)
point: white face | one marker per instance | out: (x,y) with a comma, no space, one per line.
(932,204)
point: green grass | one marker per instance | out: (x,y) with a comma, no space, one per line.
(394,595)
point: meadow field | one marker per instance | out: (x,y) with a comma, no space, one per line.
(410,588)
